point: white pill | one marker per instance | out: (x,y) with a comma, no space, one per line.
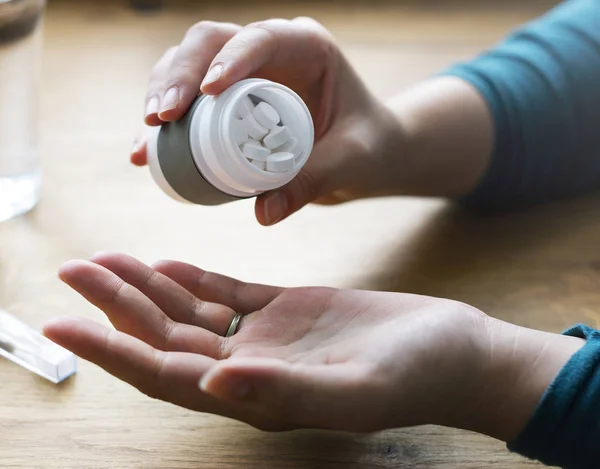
(266,115)
(291,146)
(255,151)
(259,164)
(244,107)
(239,132)
(254,129)
(277,137)
(280,162)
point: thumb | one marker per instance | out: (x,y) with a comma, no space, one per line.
(318,396)
(335,163)
(279,204)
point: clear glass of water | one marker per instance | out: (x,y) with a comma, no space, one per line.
(20,57)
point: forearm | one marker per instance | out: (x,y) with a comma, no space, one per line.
(516,125)
(447,138)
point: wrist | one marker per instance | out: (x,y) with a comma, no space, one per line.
(521,364)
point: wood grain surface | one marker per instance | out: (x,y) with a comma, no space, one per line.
(538,268)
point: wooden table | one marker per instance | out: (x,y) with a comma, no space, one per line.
(539,268)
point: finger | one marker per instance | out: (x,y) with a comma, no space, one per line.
(321,396)
(275,206)
(276,43)
(242,297)
(317,178)
(126,357)
(189,65)
(173,299)
(130,311)
(336,165)
(156,87)
(139,151)
(169,376)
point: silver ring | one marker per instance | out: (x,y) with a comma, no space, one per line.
(234,325)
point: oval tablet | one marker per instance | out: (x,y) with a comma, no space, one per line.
(244,107)
(291,146)
(277,137)
(280,162)
(266,115)
(259,164)
(253,150)
(254,129)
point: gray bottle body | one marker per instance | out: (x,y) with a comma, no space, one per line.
(177,163)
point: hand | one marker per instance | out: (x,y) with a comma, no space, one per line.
(308,357)
(302,357)
(353,131)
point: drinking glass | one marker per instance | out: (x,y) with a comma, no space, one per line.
(20,57)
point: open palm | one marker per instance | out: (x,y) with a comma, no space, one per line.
(302,357)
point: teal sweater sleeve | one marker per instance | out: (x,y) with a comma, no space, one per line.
(542,86)
(565,428)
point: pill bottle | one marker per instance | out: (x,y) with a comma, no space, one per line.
(254,137)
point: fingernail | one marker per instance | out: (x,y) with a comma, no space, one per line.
(152,106)
(227,387)
(213,74)
(136,148)
(170,100)
(275,207)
